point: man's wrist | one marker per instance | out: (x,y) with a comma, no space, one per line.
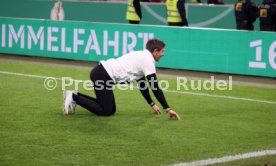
(152,104)
(168,110)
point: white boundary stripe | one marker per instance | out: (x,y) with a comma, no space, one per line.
(221,96)
(25,75)
(31,75)
(169,91)
(228,158)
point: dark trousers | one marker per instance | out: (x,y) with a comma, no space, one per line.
(184,23)
(243,25)
(133,22)
(104,103)
(267,28)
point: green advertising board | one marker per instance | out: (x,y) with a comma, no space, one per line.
(225,51)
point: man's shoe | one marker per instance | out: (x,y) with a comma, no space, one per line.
(69,105)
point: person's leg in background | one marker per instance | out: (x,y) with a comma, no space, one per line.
(133,22)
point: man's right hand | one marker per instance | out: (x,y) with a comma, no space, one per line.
(156,109)
(173,115)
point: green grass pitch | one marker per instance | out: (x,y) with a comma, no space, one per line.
(34,131)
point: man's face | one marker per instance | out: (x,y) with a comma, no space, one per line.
(158,54)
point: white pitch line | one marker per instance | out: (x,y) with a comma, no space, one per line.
(31,75)
(169,91)
(221,96)
(228,158)
(26,75)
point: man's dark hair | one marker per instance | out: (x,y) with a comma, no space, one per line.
(153,44)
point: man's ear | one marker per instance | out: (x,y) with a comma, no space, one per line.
(155,51)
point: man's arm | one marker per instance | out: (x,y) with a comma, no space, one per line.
(158,93)
(142,83)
